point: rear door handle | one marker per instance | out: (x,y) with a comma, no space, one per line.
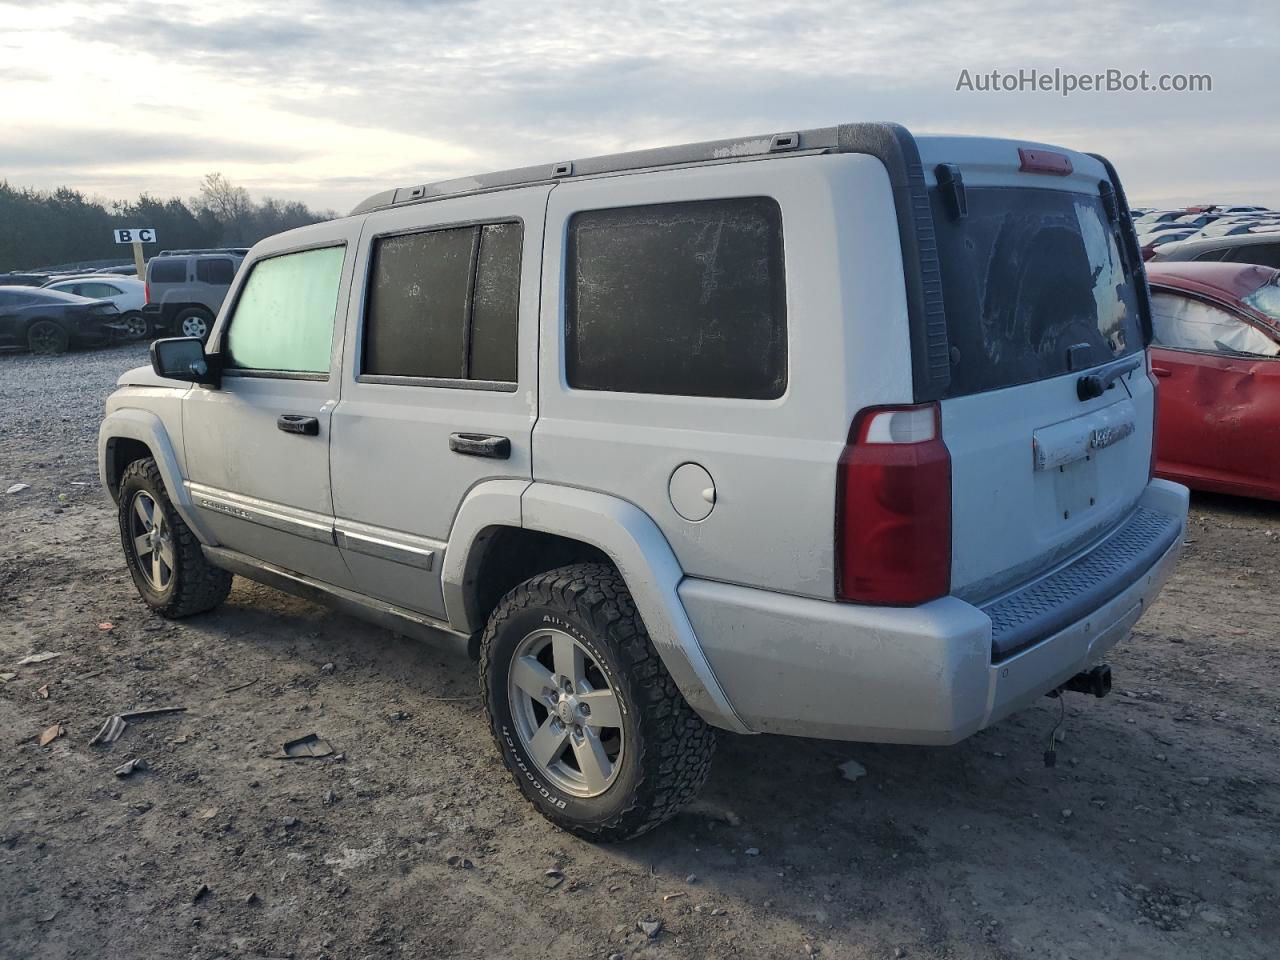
(297,423)
(480,445)
(1162,371)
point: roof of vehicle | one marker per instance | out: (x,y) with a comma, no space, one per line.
(1229,282)
(98,277)
(872,138)
(1193,245)
(40,293)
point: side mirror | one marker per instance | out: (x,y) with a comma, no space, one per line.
(183,358)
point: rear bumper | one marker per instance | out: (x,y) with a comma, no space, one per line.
(927,674)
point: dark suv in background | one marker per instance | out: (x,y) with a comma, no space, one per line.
(185,289)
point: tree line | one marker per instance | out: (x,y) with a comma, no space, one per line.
(48,228)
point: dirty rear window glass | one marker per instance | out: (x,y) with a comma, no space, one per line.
(1028,275)
(686,299)
(444,304)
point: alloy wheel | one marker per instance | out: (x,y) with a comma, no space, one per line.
(195,327)
(152,541)
(566,713)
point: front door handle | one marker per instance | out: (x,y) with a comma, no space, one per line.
(1161,371)
(480,445)
(297,423)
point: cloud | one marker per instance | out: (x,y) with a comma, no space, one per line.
(411,91)
(97,148)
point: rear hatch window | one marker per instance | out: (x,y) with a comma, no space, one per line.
(1035,286)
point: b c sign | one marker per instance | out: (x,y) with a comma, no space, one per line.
(136,235)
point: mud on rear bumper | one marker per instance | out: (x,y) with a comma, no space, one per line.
(936,673)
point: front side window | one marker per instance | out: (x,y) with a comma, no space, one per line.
(284,316)
(444,304)
(684,299)
(1182,323)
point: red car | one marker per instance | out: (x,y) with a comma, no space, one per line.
(1217,354)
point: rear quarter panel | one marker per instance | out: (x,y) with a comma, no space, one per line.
(773,462)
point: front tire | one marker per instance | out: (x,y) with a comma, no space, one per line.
(164,557)
(137,327)
(588,721)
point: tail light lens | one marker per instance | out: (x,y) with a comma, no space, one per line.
(893,508)
(146,291)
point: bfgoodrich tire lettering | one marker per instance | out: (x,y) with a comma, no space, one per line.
(183,582)
(665,749)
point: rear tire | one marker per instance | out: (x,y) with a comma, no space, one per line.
(568,639)
(48,337)
(164,557)
(137,327)
(194,322)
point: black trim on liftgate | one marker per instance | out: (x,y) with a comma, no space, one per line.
(890,143)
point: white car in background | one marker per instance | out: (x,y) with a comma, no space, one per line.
(127,293)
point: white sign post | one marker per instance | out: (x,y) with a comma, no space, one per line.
(137,236)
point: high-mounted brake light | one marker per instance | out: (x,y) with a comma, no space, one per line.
(1044,161)
(893,508)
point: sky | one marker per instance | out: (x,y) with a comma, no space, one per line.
(328,101)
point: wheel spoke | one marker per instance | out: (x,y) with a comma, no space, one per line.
(548,743)
(142,545)
(532,677)
(139,507)
(592,760)
(166,553)
(604,708)
(157,566)
(568,658)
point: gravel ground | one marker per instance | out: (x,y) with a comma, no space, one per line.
(1155,835)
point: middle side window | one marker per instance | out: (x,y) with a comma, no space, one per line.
(444,304)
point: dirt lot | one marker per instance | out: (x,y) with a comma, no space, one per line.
(1155,835)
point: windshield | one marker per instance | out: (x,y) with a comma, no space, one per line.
(1266,300)
(1034,286)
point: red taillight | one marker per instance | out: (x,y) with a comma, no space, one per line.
(146,291)
(893,508)
(1043,161)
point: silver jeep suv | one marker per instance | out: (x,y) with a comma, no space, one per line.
(835,433)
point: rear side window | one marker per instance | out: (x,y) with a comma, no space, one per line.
(220,272)
(444,304)
(1028,275)
(168,271)
(283,319)
(686,299)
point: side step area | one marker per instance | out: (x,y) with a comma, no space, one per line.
(379,613)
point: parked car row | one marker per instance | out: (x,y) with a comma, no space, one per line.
(181,294)
(1239,234)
